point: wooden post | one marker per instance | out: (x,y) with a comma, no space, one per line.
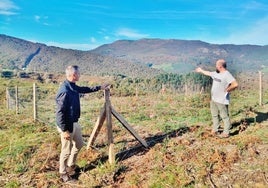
(106,113)
(97,127)
(129,128)
(202,90)
(34,102)
(186,91)
(7,97)
(260,88)
(17,100)
(137,90)
(109,126)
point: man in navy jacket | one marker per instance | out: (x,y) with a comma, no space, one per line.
(67,116)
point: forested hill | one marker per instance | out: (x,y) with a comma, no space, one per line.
(21,54)
(182,55)
(134,58)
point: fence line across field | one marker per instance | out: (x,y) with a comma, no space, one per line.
(34,100)
(14,100)
(25,100)
(37,101)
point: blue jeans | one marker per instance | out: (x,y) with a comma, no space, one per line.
(220,111)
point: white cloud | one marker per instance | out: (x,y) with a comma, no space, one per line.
(254,34)
(7,8)
(92,39)
(75,46)
(37,18)
(130,33)
(254,5)
(42,20)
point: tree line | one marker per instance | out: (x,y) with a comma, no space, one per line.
(169,82)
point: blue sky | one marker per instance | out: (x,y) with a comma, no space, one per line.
(87,24)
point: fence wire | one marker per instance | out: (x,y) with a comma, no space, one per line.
(42,106)
(21,100)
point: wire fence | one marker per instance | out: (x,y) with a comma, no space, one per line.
(38,101)
(31,102)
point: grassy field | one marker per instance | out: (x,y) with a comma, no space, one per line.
(181,152)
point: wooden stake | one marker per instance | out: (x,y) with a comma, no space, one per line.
(17,99)
(109,126)
(97,127)
(128,127)
(34,103)
(7,97)
(260,88)
(106,113)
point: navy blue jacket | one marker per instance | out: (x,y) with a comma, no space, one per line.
(68,104)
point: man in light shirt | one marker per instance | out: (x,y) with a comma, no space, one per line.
(223,83)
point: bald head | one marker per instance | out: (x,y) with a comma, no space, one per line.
(221,65)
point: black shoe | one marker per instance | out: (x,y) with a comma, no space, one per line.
(71,170)
(66,178)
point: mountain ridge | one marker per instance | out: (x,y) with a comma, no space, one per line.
(133,58)
(187,53)
(21,54)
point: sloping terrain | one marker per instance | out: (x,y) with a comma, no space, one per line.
(177,128)
(188,156)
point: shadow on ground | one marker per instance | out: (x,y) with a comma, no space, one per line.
(242,125)
(139,149)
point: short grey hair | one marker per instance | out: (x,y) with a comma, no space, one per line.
(71,70)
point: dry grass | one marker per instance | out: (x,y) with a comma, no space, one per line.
(182,152)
